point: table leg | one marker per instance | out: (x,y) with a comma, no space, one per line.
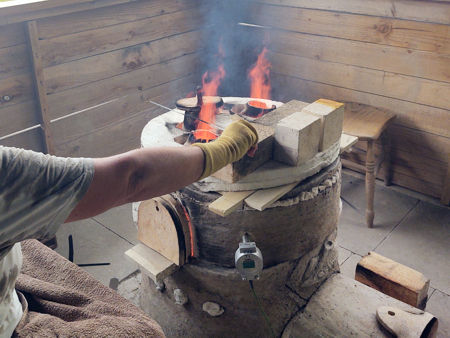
(370,183)
(386,145)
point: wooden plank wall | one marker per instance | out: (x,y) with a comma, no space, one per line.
(99,66)
(390,54)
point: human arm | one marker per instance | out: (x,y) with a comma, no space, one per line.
(145,173)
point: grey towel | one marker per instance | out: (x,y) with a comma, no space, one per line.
(62,300)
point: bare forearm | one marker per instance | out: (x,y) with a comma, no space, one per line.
(138,175)
(163,170)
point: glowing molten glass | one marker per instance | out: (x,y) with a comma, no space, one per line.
(210,84)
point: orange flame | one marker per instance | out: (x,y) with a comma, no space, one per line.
(210,85)
(259,76)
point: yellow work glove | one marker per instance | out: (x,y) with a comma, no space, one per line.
(235,141)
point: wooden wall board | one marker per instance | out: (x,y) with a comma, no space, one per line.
(12,35)
(412,115)
(400,179)
(426,11)
(14,60)
(18,87)
(76,126)
(397,60)
(112,15)
(75,46)
(403,87)
(29,139)
(105,141)
(101,91)
(56,8)
(17,117)
(386,31)
(79,72)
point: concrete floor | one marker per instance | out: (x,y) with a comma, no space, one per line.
(408,228)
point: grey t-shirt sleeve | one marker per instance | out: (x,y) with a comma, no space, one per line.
(37,193)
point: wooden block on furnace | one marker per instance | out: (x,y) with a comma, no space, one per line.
(265,197)
(331,114)
(297,138)
(229,202)
(153,264)
(393,279)
(246,165)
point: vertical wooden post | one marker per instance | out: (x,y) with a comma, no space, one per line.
(39,82)
(370,183)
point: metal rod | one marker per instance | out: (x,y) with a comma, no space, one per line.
(175,111)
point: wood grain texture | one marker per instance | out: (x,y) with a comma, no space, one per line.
(89,95)
(40,86)
(93,133)
(157,230)
(406,88)
(79,72)
(425,11)
(153,264)
(12,35)
(261,199)
(384,31)
(16,15)
(365,122)
(229,202)
(399,60)
(14,60)
(77,45)
(408,114)
(29,139)
(347,141)
(16,89)
(17,117)
(393,279)
(109,16)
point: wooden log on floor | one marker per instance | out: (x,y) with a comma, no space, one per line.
(331,114)
(393,279)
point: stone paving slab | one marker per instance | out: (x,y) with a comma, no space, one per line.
(93,243)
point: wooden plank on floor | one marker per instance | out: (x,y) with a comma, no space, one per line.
(347,141)
(403,87)
(76,73)
(229,202)
(423,64)
(393,279)
(152,264)
(78,45)
(264,197)
(132,82)
(393,32)
(412,115)
(425,11)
